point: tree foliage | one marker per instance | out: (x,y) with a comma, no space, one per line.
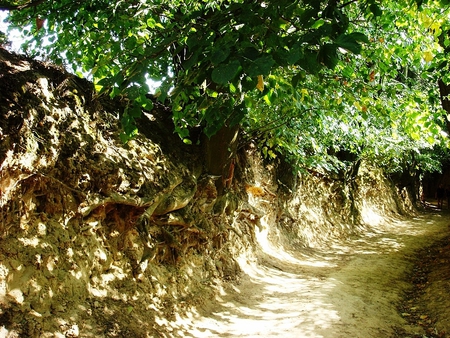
(313,80)
(381,105)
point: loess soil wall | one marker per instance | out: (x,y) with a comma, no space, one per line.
(102,239)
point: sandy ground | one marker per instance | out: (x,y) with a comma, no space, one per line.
(350,290)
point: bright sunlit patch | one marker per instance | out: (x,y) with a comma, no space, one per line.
(51,263)
(369,216)
(284,300)
(14,36)
(390,243)
(278,253)
(108,277)
(97,292)
(306,313)
(43,83)
(17,295)
(70,252)
(29,241)
(42,229)
(77,274)
(161,321)
(3,282)
(4,332)
(100,255)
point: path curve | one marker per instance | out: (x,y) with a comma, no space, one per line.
(351,290)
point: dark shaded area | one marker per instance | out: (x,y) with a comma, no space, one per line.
(420,306)
(157,124)
(431,181)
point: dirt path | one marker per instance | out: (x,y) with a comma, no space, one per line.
(352,290)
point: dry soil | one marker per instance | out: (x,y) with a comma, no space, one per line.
(393,281)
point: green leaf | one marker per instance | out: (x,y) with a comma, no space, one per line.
(192,41)
(251,53)
(288,56)
(131,43)
(151,23)
(219,55)
(376,10)
(192,59)
(106,82)
(295,54)
(238,114)
(118,78)
(114,92)
(359,37)
(212,128)
(268,97)
(129,127)
(260,66)
(348,71)
(349,43)
(309,62)
(132,92)
(134,111)
(124,137)
(145,102)
(226,72)
(248,83)
(318,24)
(328,55)
(297,78)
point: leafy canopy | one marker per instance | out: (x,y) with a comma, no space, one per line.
(382,105)
(308,78)
(208,53)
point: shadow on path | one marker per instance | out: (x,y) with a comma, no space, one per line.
(351,290)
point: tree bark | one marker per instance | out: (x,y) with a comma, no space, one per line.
(220,152)
(444,91)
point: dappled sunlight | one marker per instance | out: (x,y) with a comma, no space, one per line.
(278,294)
(257,307)
(313,293)
(271,249)
(105,239)
(370,216)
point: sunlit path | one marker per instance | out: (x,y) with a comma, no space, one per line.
(349,291)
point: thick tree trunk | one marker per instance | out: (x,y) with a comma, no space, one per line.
(220,151)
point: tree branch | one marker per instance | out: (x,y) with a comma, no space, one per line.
(347,3)
(8,7)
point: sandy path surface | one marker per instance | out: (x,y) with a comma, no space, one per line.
(350,290)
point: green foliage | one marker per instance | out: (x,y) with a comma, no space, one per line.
(311,80)
(3,39)
(378,106)
(208,53)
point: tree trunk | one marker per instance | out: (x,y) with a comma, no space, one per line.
(220,151)
(444,90)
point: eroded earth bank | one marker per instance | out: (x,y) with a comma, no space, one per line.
(102,239)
